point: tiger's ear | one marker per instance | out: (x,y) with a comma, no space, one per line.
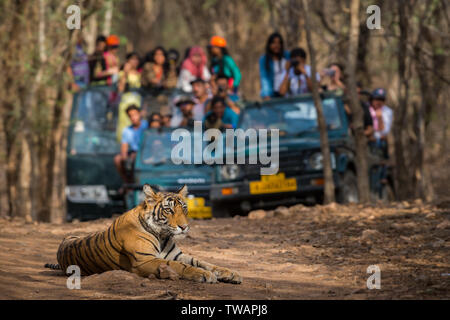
(148,191)
(183,191)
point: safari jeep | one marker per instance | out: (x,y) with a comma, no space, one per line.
(92,180)
(97,119)
(241,188)
(156,166)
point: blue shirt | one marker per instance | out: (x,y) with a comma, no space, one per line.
(229,117)
(132,136)
(267,77)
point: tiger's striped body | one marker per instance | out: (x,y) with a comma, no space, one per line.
(141,240)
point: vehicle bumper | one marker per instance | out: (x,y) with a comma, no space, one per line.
(309,189)
(90,211)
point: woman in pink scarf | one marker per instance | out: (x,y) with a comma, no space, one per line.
(193,67)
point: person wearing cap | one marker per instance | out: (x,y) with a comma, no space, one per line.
(193,67)
(185,116)
(382,117)
(223,63)
(166,116)
(111,71)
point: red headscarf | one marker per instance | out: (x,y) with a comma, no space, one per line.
(196,70)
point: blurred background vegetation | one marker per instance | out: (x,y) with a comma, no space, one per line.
(408,56)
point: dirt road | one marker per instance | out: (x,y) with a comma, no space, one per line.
(302,252)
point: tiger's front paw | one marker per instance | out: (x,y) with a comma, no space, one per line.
(200,275)
(227,275)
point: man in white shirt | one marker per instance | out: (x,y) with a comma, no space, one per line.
(382,117)
(296,78)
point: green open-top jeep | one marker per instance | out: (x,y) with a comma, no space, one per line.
(241,188)
(155,165)
(92,179)
(94,187)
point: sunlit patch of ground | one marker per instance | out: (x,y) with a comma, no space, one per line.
(317,252)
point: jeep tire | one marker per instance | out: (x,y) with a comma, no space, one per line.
(220,210)
(348,190)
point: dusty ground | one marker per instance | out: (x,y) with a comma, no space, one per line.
(302,253)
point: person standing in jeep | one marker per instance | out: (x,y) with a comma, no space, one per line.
(129,146)
(296,77)
(382,117)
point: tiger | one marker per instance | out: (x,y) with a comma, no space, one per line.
(140,241)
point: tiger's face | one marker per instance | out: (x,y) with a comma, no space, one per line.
(167,213)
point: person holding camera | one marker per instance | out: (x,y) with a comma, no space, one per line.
(297,75)
(173,56)
(220,117)
(185,116)
(221,88)
(334,78)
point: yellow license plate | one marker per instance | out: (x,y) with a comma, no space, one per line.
(197,208)
(273,184)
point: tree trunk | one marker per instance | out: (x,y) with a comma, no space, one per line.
(90,33)
(108,17)
(4,199)
(24,203)
(358,123)
(329,193)
(58,170)
(403,182)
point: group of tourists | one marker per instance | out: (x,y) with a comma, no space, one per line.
(210,80)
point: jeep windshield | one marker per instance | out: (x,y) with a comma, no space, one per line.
(157,148)
(292,117)
(94,122)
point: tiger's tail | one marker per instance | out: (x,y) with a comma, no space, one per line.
(52,266)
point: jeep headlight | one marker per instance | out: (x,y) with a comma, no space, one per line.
(229,172)
(315,161)
(87,194)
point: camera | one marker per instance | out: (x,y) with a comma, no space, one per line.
(212,118)
(329,72)
(129,163)
(221,89)
(173,55)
